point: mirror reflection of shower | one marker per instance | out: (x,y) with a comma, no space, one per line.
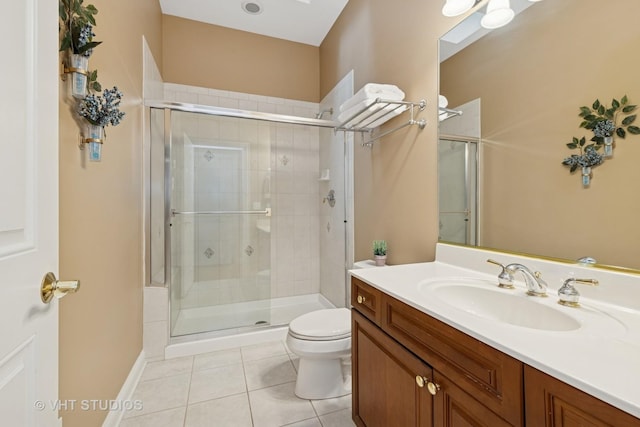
(458,186)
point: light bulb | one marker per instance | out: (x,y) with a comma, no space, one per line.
(499,14)
(457,7)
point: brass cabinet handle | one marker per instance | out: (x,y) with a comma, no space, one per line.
(433,388)
(52,287)
(361,299)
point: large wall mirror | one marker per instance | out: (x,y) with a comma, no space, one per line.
(521,88)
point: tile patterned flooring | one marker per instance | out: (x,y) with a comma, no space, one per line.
(248,386)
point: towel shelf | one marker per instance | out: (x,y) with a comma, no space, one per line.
(379,111)
(447,113)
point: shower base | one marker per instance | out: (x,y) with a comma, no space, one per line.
(277,313)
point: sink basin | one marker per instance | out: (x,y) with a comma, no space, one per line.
(484,299)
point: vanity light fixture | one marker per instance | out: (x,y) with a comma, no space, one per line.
(457,7)
(499,14)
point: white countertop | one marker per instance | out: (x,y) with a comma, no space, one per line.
(602,357)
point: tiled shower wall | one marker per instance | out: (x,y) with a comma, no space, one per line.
(293,192)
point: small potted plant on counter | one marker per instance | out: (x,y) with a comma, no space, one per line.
(380,252)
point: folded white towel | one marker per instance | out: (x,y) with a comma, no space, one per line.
(442,101)
(371,91)
(373,116)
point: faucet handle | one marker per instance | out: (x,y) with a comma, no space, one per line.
(569,295)
(505,278)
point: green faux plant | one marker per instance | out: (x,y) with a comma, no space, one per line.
(588,156)
(77,21)
(379,247)
(76,27)
(606,121)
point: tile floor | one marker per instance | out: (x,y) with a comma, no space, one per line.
(247,386)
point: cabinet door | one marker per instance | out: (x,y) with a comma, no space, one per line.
(489,376)
(453,407)
(552,403)
(385,391)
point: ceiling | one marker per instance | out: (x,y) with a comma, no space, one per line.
(303,21)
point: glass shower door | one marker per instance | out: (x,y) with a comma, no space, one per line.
(220,224)
(457,190)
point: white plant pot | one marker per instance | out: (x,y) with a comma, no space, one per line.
(380,260)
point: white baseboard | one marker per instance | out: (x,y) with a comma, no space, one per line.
(126,392)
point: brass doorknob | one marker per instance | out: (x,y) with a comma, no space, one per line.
(361,299)
(420,380)
(52,287)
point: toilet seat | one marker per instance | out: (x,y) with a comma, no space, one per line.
(322,325)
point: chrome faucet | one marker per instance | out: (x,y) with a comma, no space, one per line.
(569,295)
(505,279)
(535,285)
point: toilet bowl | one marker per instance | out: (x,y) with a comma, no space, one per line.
(322,341)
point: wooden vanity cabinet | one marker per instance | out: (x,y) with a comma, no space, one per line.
(553,403)
(474,384)
(392,344)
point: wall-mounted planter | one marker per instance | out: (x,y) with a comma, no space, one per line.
(94,138)
(586,176)
(608,146)
(78,66)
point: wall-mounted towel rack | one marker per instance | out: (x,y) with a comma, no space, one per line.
(379,111)
(447,113)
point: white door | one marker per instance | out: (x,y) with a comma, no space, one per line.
(28,212)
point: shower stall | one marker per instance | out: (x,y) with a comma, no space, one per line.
(235,217)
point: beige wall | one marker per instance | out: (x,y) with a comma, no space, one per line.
(215,57)
(101,220)
(396,181)
(531,93)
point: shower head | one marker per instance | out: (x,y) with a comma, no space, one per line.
(321,113)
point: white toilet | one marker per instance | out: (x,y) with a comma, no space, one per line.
(322,341)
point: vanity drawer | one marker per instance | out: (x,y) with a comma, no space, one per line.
(486,374)
(366,299)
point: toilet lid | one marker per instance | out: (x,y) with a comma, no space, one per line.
(331,323)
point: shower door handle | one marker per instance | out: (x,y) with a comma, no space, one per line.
(266,212)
